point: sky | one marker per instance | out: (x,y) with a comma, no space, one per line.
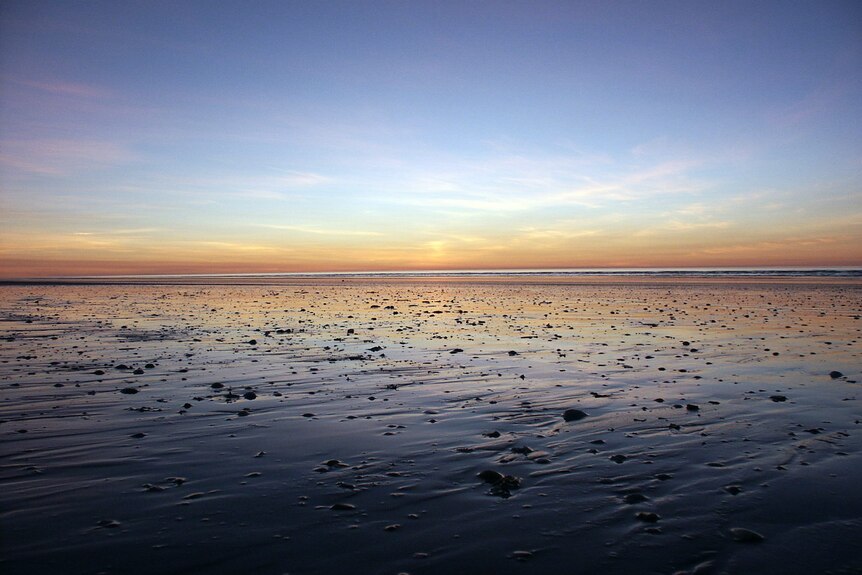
(240,137)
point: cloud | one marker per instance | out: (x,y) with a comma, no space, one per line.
(522,184)
(320,231)
(62,157)
(66,88)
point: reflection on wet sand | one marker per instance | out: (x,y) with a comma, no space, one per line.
(430,426)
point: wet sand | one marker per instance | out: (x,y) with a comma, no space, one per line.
(432,426)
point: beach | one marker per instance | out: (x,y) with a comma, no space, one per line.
(432,425)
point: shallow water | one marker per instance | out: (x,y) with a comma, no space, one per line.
(361,398)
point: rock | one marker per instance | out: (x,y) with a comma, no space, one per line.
(109,523)
(501,485)
(733,489)
(742,535)
(99,372)
(647,516)
(618,458)
(521,555)
(778,398)
(217,385)
(252,342)
(139,435)
(692,407)
(632,498)
(342,507)
(393,527)
(129,390)
(492,434)
(490,476)
(516,353)
(457,350)
(249,395)
(573,415)
(138,371)
(835,374)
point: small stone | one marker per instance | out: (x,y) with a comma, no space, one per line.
(618,458)
(457,350)
(249,395)
(835,374)
(515,353)
(632,498)
(138,371)
(99,372)
(692,407)
(217,385)
(129,390)
(573,415)
(490,476)
(777,398)
(647,516)
(252,342)
(743,535)
(138,435)
(342,507)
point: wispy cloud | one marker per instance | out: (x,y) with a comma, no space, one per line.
(520,184)
(62,157)
(320,231)
(66,88)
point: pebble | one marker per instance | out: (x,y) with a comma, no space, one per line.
(635,498)
(742,535)
(491,476)
(573,415)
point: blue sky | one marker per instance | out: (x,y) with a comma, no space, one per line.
(276,136)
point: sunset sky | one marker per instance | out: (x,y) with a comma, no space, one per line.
(204,137)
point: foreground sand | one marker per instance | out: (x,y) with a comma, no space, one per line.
(330,426)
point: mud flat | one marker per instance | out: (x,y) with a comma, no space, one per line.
(432,426)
